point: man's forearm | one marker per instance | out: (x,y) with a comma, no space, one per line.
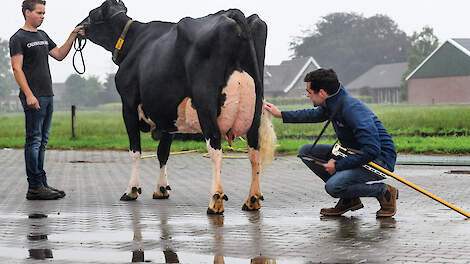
(22,82)
(65,49)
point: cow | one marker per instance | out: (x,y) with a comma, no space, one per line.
(200,75)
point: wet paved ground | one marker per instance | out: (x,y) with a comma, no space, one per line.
(91,225)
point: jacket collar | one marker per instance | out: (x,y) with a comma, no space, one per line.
(333,100)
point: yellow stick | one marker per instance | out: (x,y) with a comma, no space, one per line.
(419,189)
(171,153)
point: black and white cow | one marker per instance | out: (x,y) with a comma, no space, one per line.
(197,75)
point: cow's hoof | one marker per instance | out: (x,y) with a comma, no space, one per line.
(216,206)
(136,190)
(162,193)
(159,196)
(253,203)
(126,197)
(210,211)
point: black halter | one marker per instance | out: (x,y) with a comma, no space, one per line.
(77,45)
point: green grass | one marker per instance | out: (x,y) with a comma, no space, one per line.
(399,120)
(106,130)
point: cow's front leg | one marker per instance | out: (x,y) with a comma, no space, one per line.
(133,189)
(216,204)
(161,191)
(129,113)
(255,195)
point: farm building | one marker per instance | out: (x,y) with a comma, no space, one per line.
(380,83)
(443,77)
(287,79)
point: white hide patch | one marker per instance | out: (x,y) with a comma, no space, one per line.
(142,116)
(236,113)
(134,180)
(216,158)
(162,180)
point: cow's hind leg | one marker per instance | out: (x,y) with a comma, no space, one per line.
(216,204)
(161,191)
(255,195)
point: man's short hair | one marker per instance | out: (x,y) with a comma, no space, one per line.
(325,79)
(30,5)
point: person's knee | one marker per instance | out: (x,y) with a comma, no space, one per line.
(305,149)
(33,140)
(333,188)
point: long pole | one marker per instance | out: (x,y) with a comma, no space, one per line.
(419,189)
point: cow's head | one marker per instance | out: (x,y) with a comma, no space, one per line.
(101,27)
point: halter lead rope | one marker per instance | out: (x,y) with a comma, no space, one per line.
(77,45)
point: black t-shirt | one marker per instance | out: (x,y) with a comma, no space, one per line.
(35,47)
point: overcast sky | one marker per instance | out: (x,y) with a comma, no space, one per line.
(285,19)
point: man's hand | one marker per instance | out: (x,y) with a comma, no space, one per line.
(272,109)
(329,167)
(32,102)
(59,53)
(79,30)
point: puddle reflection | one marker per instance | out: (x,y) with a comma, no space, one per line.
(361,231)
(38,229)
(216,227)
(40,254)
(387,222)
(169,243)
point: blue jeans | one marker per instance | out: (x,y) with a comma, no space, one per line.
(345,184)
(37,125)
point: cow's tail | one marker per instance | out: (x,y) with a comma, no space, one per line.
(267,140)
(239,17)
(267,137)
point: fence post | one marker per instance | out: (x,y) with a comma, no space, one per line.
(73,121)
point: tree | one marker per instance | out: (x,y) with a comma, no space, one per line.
(110,94)
(95,90)
(351,44)
(6,77)
(81,91)
(75,87)
(422,45)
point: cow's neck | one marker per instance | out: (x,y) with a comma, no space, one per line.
(120,23)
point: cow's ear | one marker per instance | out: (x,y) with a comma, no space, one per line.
(122,3)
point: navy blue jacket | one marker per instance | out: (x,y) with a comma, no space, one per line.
(355,125)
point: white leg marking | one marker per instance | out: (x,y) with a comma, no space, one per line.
(255,172)
(216,158)
(134,181)
(162,180)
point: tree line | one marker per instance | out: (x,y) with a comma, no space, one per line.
(352,44)
(348,42)
(89,92)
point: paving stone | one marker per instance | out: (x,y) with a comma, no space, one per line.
(91,225)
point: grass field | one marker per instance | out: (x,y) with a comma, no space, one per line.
(415,129)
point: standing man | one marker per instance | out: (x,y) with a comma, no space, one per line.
(356,127)
(29,50)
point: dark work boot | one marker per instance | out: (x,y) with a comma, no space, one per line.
(62,193)
(388,202)
(342,207)
(42,193)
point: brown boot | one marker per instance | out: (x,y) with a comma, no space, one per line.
(388,202)
(342,207)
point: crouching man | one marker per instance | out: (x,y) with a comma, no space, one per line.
(356,127)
